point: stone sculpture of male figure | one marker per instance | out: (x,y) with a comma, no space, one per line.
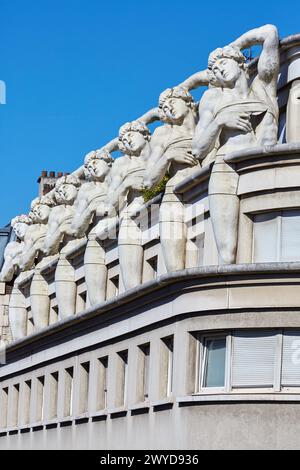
(13,251)
(34,237)
(235,114)
(171,151)
(60,234)
(11,268)
(127,182)
(91,207)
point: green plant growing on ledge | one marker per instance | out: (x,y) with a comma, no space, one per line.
(149,194)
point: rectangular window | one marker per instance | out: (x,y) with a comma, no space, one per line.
(80,302)
(84,377)
(276,236)
(213,372)
(68,391)
(3,407)
(150,269)
(26,397)
(143,372)
(265,237)
(122,377)
(166,370)
(254,357)
(15,393)
(290,235)
(102,368)
(40,392)
(53,395)
(291,359)
(112,287)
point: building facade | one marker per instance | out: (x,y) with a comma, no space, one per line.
(184,342)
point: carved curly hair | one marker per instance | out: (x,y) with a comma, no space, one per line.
(68,179)
(227,52)
(101,154)
(21,219)
(133,126)
(176,92)
(45,200)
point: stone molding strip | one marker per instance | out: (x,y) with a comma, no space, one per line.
(201,273)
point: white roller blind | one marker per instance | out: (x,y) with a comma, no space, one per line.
(291,359)
(290,235)
(253,359)
(265,237)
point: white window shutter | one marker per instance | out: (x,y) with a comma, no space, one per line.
(265,237)
(253,359)
(291,359)
(290,236)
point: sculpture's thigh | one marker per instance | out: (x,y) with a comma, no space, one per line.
(40,301)
(17,314)
(172,229)
(224,211)
(130,253)
(65,287)
(95,272)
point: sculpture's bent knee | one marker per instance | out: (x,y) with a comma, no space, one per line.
(95,272)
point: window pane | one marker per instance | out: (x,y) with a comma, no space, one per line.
(253,359)
(291,359)
(290,236)
(265,237)
(215,362)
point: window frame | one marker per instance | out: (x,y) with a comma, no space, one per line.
(201,362)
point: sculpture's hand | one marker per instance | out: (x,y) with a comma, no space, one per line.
(230,120)
(183,157)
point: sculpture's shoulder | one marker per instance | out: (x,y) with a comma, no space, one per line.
(120,164)
(13,248)
(210,98)
(85,189)
(160,133)
(55,213)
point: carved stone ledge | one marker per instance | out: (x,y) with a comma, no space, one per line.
(256,152)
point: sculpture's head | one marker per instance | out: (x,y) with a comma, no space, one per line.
(40,209)
(66,189)
(97,165)
(225,66)
(20,225)
(133,136)
(174,104)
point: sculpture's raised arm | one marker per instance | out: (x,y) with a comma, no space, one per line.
(150,116)
(196,80)
(268,63)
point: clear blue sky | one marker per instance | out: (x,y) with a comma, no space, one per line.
(76,70)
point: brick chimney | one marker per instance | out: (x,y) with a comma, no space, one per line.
(47,181)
